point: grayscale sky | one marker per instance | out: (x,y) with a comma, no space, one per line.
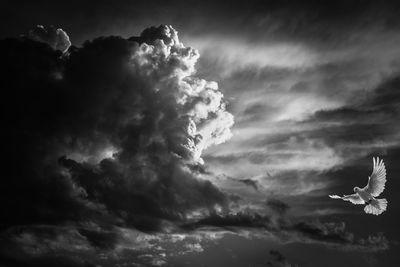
(212,138)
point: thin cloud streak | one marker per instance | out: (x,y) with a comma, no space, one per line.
(238,54)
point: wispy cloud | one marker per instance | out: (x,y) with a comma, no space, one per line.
(236,54)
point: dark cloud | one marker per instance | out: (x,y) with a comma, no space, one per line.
(42,245)
(55,38)
(145,208)
(327,232)
(110,133)
(335,234)
(289,230)
(230,221)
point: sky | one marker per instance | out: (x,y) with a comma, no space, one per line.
(197,133)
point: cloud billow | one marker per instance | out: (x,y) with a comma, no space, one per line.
(107,132)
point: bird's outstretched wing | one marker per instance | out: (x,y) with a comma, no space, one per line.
(354,198)
(377,180)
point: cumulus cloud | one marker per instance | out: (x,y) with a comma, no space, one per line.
(108,133)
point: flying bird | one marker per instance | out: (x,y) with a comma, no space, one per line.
(368,194)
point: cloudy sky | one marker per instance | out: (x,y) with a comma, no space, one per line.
(194,133)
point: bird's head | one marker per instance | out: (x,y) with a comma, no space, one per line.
(356,189)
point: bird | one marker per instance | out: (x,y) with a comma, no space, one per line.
(367,195)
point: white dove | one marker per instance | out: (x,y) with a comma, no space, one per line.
(368,194)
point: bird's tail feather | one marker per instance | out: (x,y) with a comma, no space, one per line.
(376,207)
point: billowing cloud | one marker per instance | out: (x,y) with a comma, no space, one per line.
(108,133)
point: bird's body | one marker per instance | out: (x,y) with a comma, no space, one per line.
(367,195)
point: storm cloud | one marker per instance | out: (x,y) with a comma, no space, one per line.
(107,133)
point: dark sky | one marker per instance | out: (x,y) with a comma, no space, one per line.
(193,133)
